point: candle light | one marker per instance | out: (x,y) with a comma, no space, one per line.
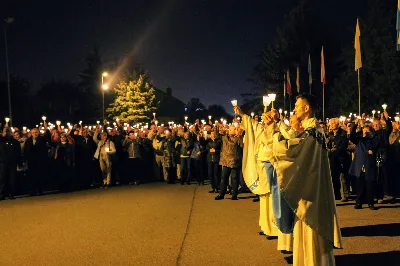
(186,118)
(24,128)
(62,127)
(98,122)
(234,103)
(205,132)
(266,102)
(238,118)
(384,106)
(107,149)
(154,115)
(80,122)
(117,119)
(272,96)
(379,112)
(7,119)
(235,124)
(156,122)
(285,112)
(66,130)
(396,119)
(280,111)
(58,123)
(37,125)
(209,117)
(43,118)
(373,112)
(252,114)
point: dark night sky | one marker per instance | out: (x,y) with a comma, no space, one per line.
(203,49)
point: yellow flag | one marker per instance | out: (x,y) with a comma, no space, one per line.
(357,46)
(298,79)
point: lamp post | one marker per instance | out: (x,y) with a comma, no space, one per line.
(103,88)
(8,21)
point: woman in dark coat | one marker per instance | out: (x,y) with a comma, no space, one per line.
(364,165)
(65,162)
(213,155)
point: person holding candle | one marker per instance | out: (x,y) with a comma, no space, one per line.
(384,181)
(184,144)
(230,162)
(105,149)
(10,158)
(133,164)
(213,147)
(304,160)
(36,154)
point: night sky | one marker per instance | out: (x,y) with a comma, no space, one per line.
(203,49)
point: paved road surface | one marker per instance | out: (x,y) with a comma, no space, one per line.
(159,224)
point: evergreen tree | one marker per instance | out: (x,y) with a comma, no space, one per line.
(134,100)
(380,76)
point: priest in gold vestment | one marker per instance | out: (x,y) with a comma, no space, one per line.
(305,182)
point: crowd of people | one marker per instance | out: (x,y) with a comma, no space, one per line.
(363,153)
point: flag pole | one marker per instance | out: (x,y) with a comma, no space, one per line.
(323,102)
(359,93)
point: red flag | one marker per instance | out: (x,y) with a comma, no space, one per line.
(323,78)
(288,85)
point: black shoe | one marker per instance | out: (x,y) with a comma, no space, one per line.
(358,206)
(372,207)
(234,197)
(211,191)
(256,199)
(219,197)
(261,233)
(289,259)
(271,237)
(286,252)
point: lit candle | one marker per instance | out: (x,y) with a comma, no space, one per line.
(117,119)
(24,128)
(7,119)
(80,122)
(209,117)
(266,102)
(234,103)
(396,119)
(238,118)
(156,122)
(107,149)
(272,96)
(66,130)
(205,132)
(186,118)
(154,115)
(98,122)
(252,114)
(280,111)
(373,112)
(58,123)
(43,118)
(285,112)
(384,106)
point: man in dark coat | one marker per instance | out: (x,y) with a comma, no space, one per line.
(10,155)
(339,159)
(36,154)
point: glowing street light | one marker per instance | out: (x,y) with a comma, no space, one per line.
(104,87)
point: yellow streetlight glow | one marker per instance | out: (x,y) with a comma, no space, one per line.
(105,87)
(105,74)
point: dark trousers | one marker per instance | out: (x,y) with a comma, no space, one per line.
(365,190)
(186,173)
(36,171)
(133,170)
(7,178)
(214,174)
(226,172)
(198,170)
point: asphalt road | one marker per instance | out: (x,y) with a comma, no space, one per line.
(159,224)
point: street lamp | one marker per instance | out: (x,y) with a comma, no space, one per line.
(8,20)
(104,87)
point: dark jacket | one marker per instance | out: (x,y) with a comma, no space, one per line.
(10,150)
(213,157)
(39,151)
(184,146)
(362,158)
(339,142)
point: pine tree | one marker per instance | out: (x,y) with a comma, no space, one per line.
(134,101)
(380,78)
